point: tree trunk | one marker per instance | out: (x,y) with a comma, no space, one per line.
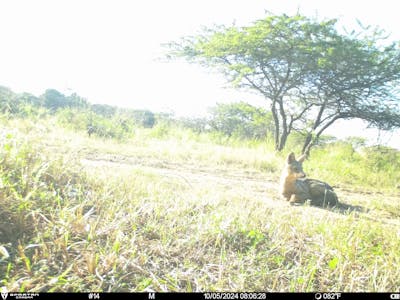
(307,144)
(282,135)
(282,141)
(276,124)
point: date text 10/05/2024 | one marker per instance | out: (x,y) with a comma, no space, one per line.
(235,296)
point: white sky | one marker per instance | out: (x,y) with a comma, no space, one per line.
(108,50)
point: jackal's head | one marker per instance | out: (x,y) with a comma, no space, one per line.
(295,167)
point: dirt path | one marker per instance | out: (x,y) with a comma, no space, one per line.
(254,184)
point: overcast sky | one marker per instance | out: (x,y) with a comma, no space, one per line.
(109,51)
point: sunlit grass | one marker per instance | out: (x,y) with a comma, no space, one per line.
(179,213)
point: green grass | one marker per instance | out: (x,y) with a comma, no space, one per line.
(180,212)
(367,170)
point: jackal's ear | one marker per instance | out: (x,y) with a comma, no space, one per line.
(302,158)
(291,158)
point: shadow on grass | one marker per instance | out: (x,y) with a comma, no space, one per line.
(345,208)
(342,208)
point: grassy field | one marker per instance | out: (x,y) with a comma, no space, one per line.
(175,211)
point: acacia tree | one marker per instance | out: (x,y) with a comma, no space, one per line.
(310,74)
(241,119)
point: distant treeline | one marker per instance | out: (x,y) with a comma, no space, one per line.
(239,120)
(232,123)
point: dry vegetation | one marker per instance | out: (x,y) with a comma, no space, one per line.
(181,213)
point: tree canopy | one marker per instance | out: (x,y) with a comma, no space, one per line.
(240,119)
(310,74)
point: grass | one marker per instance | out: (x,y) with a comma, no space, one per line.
(178,212)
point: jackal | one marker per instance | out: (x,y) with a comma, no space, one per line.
(296,188)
